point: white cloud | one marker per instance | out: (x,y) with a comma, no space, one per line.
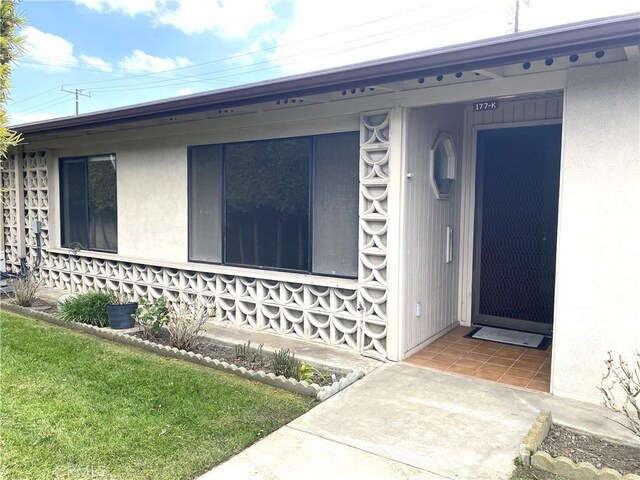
(96,63)
(128,7)
(184,91)
(361,30)
(51,52)
(143,62)
(228,18)
(317,38)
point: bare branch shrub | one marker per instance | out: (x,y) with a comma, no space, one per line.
(25,289)
(624,378)
(186,322)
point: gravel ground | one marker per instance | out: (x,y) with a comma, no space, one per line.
(581,447)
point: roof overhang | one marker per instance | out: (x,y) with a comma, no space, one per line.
(601,34)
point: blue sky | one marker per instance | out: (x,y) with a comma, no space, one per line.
(122,52)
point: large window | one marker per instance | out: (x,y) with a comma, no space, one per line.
(88,202)
(287,204)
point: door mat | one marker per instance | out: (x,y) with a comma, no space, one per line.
(510,337)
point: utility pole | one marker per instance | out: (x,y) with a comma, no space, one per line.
(77,92)
(516,20)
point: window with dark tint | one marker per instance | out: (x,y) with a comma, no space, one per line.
(205,203)
(88,202)
(267,203)
(335,205)
(287,204)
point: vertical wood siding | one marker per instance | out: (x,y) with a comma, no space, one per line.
(549,108)
(429,280)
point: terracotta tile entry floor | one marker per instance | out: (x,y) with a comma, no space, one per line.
(508,364)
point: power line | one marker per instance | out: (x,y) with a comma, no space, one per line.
(71,65)
(250,68)
(48,104)
(274,47)
(13,102)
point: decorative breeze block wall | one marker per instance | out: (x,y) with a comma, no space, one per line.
(374,220)
(10,213)
(355,318)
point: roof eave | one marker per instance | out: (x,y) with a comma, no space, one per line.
(568,39)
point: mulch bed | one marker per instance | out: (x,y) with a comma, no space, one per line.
(581,447)
(252,361)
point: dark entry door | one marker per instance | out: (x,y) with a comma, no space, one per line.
(517,179)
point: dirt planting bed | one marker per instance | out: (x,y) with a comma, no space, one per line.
(581,447)
(253,360)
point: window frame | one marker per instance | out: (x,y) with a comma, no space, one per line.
(223,224)
(85,161)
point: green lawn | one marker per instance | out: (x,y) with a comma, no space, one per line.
(78,407)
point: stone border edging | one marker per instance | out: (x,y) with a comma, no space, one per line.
(577,471)
(291,384)
(562,466)
(535,436)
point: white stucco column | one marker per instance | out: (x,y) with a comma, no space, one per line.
(395,307)
(598,258)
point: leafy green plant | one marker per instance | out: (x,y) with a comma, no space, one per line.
(90,308)
(25,289)
(11,47)
(285,363)
(152,315)
(245,352)
(185,323)
(306,373)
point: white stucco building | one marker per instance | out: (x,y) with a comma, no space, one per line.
(371,207)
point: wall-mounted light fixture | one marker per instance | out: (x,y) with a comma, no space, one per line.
(443,166)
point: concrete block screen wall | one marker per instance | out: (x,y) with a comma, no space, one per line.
(351,314)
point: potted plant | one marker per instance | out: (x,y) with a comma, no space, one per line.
(120,310)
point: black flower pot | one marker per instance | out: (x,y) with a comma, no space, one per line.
(121,315)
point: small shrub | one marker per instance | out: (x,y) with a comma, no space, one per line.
(152,316)
(90,308)
(185,323)
(245,352)
(25,289)
(623,380)
(308,373)
(285,363)
(119,298)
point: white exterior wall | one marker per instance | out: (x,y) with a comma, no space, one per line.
(429,280)
(152,177)
(598,266)
(152,209)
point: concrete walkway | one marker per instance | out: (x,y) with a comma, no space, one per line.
(403,421)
